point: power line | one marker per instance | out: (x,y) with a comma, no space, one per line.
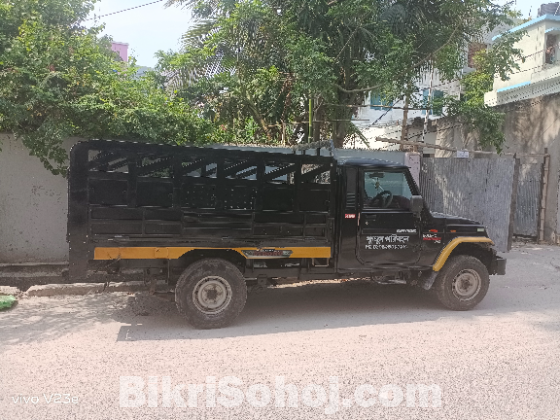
(124,10)
(386,112)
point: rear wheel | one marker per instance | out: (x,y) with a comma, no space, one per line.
(211,293)
(462,283)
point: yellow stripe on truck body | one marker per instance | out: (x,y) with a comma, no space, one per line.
(448,249)
(173,253)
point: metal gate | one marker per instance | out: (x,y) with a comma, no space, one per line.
(482,189)
(529,191)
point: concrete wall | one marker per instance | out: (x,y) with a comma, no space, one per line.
(449,132)
(33,207)
(347,153)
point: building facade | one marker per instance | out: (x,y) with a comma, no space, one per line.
(121,49)
(377,118)
(539,72)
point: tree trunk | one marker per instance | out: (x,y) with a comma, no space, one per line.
(343,118)
(319,116)
(260,120)
(339,133)
(343,112)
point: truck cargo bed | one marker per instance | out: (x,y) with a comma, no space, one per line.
(144,195)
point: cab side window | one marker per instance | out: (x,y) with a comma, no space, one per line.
(386,190)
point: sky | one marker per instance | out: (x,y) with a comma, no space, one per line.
(146,30)
(154,27)
(526,6)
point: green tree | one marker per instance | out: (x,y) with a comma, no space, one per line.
(326,53)
(499,61)
(59,79)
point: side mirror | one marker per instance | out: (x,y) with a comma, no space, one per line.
(416,204)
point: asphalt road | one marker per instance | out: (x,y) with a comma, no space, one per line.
(499,361)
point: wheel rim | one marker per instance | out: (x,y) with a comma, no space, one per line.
(212,295)
(466,284)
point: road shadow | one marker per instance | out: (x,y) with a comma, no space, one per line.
(274,310)
(308,307)
(317,307)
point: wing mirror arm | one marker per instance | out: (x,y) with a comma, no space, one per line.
(416,205)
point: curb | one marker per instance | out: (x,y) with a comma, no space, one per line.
(10,291)
(80,289)
(136,286)
(64,289)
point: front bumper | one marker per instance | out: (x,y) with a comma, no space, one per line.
(498,266)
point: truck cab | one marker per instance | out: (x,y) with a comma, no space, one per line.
(215,221)
(379,230)
(385,226)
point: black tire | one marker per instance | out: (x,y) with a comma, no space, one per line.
(202,287)
(456,284)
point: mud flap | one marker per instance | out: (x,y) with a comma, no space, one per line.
(429,281)
(499,266)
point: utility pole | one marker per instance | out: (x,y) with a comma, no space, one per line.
(310,133)
(404,131)
(427,110)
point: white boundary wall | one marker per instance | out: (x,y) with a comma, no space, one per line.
(33,207)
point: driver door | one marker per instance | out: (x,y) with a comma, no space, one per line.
(388,235)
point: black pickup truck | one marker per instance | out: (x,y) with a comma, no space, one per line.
(214,221)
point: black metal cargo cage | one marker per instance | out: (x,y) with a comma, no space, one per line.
(161,195)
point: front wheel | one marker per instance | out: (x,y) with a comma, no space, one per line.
(211,293)
(462,283)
